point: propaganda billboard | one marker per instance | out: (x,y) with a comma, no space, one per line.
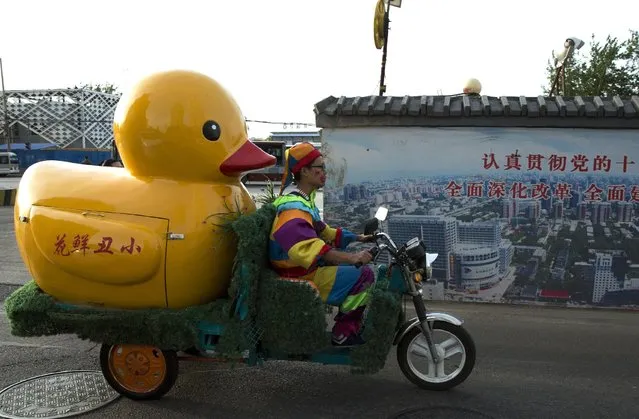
(518,215)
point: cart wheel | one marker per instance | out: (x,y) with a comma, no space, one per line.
(139,372)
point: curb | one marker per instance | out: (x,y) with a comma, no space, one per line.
(7,197)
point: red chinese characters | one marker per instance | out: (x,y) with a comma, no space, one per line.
(105,246)
(593,193)
(562,191)
(80,245)
(512,161)
(534,161)
(616,192)
(601,163)
(579,163)
(474,189)
(540,191)
(625,163)
(61,246)
(130,247)
(453,189)
(489,161)
(556,163)
(518,190)
(496,189)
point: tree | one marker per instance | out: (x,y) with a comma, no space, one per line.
(607,69)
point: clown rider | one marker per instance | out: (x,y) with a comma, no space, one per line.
(303,247)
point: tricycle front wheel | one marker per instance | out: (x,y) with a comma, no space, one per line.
(139,372)
(456,353)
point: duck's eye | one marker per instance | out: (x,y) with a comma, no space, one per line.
(211,130)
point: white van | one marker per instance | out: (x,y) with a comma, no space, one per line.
(9,163)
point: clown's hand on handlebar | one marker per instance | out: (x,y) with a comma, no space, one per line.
(365,256)
(365,238)
(362,258)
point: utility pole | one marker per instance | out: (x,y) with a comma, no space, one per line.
(7,134)
(381,23)
(561,61)
(382,86)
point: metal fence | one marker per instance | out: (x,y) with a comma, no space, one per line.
(29,157)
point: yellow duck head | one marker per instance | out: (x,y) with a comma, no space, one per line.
(184,125)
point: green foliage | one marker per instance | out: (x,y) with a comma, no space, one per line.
(269,195)
(602,69)
(384,316)
(34,313)
(289,315)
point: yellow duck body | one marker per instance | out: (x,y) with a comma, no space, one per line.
(150,234)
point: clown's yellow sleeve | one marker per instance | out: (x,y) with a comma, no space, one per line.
(339,237)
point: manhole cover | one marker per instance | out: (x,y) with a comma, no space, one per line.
(57,395)
(440,412)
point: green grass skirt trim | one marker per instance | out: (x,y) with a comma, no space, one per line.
(286,317)
(31,312)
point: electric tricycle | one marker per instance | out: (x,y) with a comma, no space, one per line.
(265,318)
(166,259)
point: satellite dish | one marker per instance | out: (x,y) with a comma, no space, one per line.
(378,24)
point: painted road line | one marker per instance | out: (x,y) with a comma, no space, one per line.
(7,197)
(30,345)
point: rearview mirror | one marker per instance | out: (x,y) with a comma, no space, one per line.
(371,226)
(381,213)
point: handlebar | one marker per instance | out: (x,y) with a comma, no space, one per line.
(374,251)
(387,244)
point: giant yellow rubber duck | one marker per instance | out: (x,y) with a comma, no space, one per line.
(151,234)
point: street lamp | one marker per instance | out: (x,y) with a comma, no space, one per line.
(380,33)
(7,135)
(561,60)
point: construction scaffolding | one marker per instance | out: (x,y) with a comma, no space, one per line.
(65,118)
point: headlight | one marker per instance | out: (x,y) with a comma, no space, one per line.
(415,249)
(416,252)
(418,277)
(429,272)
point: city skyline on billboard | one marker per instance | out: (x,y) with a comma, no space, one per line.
(516,214)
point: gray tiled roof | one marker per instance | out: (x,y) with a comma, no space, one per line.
(474,110)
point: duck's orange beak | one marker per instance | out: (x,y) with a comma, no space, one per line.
(246,158)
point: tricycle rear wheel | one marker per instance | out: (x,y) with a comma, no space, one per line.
(139,372)
(450,340)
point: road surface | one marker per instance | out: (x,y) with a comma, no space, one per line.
(9,182)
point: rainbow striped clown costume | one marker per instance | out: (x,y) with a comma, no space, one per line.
(298,240)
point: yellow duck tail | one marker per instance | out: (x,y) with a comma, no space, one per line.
(77,248)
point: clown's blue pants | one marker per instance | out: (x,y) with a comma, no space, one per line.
(348,288)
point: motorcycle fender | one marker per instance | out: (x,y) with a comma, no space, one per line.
(431,317)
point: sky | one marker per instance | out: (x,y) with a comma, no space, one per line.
(381,154)
(279,58)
